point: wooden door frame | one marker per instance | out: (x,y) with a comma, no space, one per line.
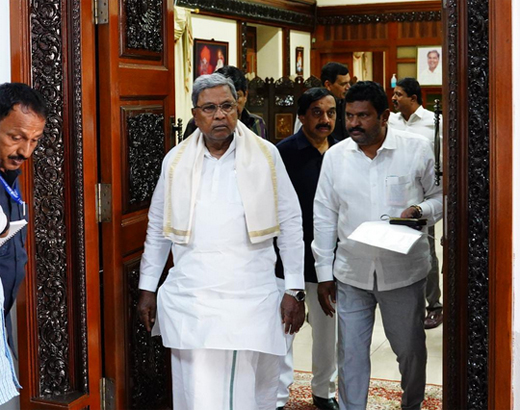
(501,206)
(69,81)
(79,84)
(478,205)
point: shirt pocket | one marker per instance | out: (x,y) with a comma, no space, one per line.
(398,189)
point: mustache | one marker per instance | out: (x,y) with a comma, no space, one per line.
(323,126)
(359,129)
(17,157)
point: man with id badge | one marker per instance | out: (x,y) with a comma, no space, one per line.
(378,171)
(23,113)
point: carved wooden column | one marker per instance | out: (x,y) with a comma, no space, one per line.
(466,183)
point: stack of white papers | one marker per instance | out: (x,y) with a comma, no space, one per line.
(381,234)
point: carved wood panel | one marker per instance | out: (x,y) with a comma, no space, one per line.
(143,129)
(478,201)
(150,374)
(142,24)
(61,343)
(467,188)
(254,12)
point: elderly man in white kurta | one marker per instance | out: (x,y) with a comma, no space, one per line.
(222,196)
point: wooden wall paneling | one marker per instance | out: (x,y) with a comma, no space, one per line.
(58,305)
(343,29)
(391,58)
(501,207)
(242,45)
(284,110)
(384,12)
(286,52)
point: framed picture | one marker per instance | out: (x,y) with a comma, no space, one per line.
(429,65)
(299,61)
(209,56)
(283,125)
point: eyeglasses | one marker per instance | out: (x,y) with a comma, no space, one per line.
(317,113)
(211,109)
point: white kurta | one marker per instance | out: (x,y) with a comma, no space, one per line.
(222,293)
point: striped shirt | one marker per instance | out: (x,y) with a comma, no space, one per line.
(8,381)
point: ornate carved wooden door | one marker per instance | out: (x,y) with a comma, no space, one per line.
(136,100)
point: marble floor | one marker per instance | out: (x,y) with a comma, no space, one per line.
(384,364)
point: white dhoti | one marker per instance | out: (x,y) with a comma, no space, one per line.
(219,308)
(205,379)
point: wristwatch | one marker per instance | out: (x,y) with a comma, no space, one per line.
(418,209)
(299,295)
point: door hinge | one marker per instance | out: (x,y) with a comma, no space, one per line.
(107,387)
(101,11)
(104,202)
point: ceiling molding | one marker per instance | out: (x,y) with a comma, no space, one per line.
(256,12)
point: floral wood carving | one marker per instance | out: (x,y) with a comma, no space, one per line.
(478,200)
(284,92)
(49,202)
(149,373)
(145,154)
(144,22)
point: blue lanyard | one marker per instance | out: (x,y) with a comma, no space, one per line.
(13,194)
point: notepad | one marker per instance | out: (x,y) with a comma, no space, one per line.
(14,228)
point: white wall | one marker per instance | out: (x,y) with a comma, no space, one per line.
(212,28)
(516,215)
(269,51)
(301,39)
(5,50)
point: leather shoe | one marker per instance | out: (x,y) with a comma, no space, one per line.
(433,319)
(325,404)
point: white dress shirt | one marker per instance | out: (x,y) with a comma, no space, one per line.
(353,189)
(222,292)
(421,122)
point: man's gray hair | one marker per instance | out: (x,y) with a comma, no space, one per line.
(211,81)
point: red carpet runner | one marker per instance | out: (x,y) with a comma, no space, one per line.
(383,395)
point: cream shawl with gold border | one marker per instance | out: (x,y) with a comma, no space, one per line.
(256,179)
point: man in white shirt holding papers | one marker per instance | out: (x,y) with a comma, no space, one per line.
(377,171)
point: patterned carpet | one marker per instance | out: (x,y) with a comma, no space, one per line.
(383,395)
